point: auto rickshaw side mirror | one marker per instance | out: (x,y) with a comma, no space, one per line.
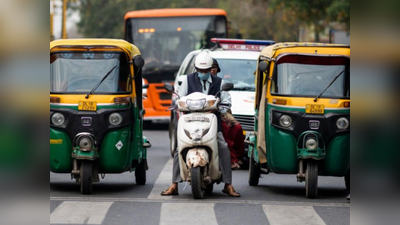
(263,66)
(138,61)
(227,87)
(169,87)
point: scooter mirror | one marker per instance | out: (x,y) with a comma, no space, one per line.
(169,87)
(227,87)
(263,66)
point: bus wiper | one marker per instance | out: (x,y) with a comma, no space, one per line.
(334,79)
(105,76)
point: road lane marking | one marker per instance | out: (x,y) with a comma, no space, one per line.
(162,182)
(77,212)
(188,213)
(288,215)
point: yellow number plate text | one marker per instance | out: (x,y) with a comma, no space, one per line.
(87,106)
(315,109)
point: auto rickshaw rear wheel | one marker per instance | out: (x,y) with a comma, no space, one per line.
(140,173)
(312,179)
(254,171)
(196,182)
(86,177)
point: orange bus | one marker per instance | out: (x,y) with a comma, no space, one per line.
(165,36)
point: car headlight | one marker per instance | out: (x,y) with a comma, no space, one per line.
(115,119)
(342,123)
(311,143)
(196,104)
(285,121)
(58,119)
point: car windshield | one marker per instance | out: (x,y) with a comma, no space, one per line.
(310,76)
(240,72)
(80,72)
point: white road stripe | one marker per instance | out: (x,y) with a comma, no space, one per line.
(80,213)
(188,213)
(162,182)
(288,215)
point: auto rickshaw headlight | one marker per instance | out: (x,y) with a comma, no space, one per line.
(285,121)
(311,143)
(85,143)
(58,119)
(115,119)
(342,123)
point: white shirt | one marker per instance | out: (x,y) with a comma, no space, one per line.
(225,96)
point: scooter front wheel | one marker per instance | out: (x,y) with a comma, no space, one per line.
(196,181)
(86,177)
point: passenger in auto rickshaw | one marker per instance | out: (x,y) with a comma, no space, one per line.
(232,130)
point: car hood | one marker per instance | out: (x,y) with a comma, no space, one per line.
(242,102)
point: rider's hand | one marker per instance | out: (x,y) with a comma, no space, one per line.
(222,109)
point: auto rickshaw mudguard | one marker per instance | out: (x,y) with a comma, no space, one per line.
(60,152)
(337,159)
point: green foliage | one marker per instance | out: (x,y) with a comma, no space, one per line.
(255,19)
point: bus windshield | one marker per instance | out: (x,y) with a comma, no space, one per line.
(165,41)
(80,72)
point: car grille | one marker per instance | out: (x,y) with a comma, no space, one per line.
(246,121)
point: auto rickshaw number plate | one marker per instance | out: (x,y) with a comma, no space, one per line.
(315,109)
(87,106)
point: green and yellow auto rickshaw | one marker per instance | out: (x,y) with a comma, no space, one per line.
(302,106)
(96,110)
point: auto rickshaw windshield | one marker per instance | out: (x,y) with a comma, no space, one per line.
(80,72)
(310,75)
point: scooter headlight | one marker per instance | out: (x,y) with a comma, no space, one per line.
(58,119)
(342,123)
(197,104)
(115,119)
(285,121)
(311,143)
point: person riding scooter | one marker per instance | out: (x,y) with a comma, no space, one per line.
(202,81)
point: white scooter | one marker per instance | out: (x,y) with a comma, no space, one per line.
(197,140)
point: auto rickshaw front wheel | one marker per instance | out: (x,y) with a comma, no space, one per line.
(140,172)
(312,179)
(86,177)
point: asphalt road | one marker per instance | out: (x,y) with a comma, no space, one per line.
(278,199)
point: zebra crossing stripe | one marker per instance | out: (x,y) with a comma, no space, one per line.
(162,182)
(288,215)
(188,213)
(80,212)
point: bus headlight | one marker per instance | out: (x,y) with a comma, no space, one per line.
(58,119)
(342,123)
(285,121)
(115,119)
(311,143)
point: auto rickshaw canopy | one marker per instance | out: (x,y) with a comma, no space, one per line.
(71,44)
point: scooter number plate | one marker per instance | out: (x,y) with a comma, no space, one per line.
(197,118)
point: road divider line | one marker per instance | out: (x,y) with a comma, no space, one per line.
(162,182)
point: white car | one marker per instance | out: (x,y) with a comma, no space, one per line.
(238,62)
